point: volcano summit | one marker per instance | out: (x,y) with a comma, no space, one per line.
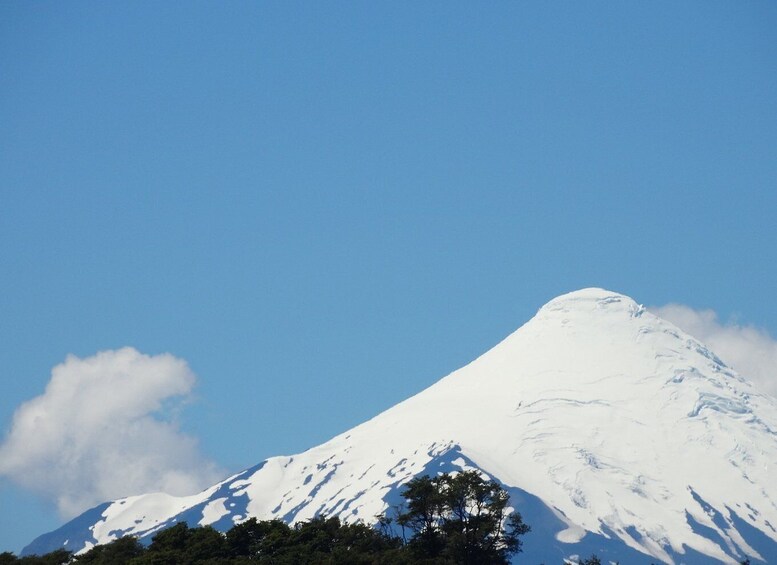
(614,431)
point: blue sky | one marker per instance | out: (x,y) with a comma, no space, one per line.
(323,209)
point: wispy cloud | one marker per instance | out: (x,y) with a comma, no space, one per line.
(103,429)
(751,351)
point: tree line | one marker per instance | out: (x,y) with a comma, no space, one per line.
(458,519)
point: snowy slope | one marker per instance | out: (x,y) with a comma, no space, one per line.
(615,431)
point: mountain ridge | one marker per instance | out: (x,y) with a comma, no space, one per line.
(595,407)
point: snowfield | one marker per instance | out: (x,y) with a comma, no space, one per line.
(615,431)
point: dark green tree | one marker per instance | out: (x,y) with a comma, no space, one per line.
(169,547)
(423,515)
(254,540)
(56,557)
(479,528)
(118,552)
(329,541)
(205,544)
(461,519)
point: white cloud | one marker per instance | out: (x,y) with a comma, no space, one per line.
(103,430)
(750,351)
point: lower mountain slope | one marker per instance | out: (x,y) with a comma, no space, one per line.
(615,432)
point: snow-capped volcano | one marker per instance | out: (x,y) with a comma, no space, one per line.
(614,431)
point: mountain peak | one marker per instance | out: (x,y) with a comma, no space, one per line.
(591,300)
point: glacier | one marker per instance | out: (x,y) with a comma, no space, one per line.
(614,431)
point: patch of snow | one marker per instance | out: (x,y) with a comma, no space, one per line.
(213,511)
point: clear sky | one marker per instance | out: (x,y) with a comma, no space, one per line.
(323,208)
